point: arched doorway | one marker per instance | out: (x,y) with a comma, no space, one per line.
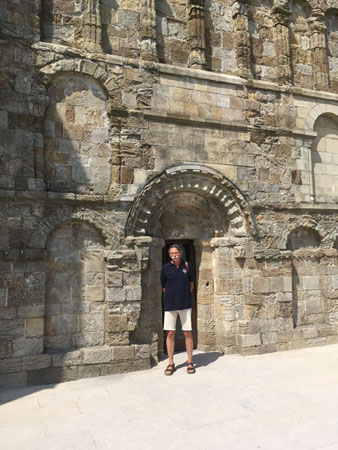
(190,203)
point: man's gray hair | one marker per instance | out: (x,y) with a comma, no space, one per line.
(177,246)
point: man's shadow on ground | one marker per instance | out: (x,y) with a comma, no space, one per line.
(203,359)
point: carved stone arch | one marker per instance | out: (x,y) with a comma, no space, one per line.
(301,222)
(317,111)
(110,234)
(198,181)
(83,67)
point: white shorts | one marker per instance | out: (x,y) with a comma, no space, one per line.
(170,318)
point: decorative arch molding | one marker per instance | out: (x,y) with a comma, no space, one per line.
(317,111)
(81,67)
(300,222)
(40,236)
(198,180)
(331,236)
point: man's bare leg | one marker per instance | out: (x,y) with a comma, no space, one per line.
(170,342)
(189,344)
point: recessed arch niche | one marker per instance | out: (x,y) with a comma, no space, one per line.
(303,237)
(75,287)
(325,158)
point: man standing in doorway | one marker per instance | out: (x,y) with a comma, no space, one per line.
(177,281)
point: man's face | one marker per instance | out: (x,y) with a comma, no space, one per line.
(175,255)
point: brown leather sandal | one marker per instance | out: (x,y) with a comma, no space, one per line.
(190,368)
(169,370)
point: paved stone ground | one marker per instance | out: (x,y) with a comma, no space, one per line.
(286,400)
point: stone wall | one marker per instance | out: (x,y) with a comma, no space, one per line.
(126,124)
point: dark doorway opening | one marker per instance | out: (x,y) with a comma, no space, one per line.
(189,255)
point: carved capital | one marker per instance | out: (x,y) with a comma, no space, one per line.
(240,8)
(317,21)
(280,15)
(197,59)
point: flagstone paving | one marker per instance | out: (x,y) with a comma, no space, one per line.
(285,400)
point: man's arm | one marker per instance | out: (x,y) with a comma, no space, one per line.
(163,280)
(191,286)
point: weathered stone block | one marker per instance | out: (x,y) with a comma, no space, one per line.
(316,342)
(27,346)
(332,339)
(95,293)
(34,327)
(142,351)
(13,380)
(92,322)
(10,365)
(133,293)
(52,375)
(314,306)
(36,362)
(125,366)
(310,333)
(11,328)
(95,266)
(123,353)
(285,336)
(23,83)
(89,371)
(206,339)
(325,330)
(97,355)
(287,284)
(249,340)
(114,279)
(3,119)
(310,283)
(67,359)
(115,294)
(294,345)
(260,285)
(248,351)
(94,278)
(266,348)
(297,334)
(31,311)
(253,299)
(116,322)
(276,284)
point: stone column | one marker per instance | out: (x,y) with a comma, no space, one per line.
(318,48)
(91,22)
(242,38)
(280,16)
(148,31)
(196,27)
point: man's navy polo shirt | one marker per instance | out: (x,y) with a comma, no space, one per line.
(176,283)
